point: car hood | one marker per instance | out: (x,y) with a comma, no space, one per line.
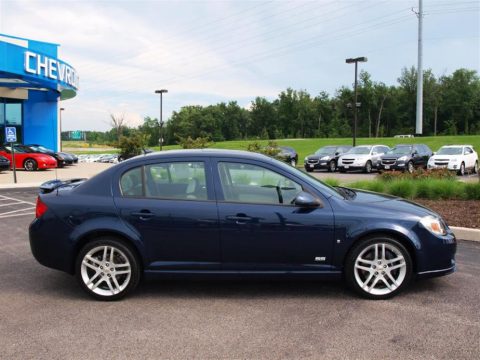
(355,156)
(389,205)
(445,157)
(318,157)
(394,156)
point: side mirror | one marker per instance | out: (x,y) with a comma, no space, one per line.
(337,153)
(305,200)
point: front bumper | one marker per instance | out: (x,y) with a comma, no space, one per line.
(449,166)
(4,166)
(321,164)
(398,165)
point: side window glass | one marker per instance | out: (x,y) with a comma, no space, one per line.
(176,180)
(131,183)
(254,184)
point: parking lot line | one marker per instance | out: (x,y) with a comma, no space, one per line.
(3,197)
(14,215)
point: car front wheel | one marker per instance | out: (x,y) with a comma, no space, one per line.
(378,268)
(293,162)
(461,172)
(107,269)
(30,165)
(368,167)
(475,167)
(410,167)
(332,166)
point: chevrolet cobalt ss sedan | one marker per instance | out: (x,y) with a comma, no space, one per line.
(232,213)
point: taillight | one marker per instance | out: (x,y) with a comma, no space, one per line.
(41,208)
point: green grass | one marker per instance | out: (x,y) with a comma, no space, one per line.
(433,189)
(306,147)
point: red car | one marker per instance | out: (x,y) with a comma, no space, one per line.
(28,161)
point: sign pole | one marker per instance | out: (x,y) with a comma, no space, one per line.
(14,167)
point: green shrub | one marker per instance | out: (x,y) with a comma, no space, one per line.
(198,143)
(472,191)
(331,181)
(418,174)
(402,188)
(424,190)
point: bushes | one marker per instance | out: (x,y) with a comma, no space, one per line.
(332,181)
(432,189)
(418,174)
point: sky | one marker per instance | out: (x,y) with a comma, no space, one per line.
(205,52)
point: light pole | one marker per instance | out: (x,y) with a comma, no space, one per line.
(356,61)
(160,123)
(60,113)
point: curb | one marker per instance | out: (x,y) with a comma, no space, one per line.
(466,233)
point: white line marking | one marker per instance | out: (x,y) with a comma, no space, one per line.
(13,215)
(13,199)
(17,203)
(14,211)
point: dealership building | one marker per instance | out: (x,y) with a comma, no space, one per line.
(32,82)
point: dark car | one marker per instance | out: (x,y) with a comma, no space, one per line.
(325,158)
(4,163)
(288,154)
(222,213)
(406,157)
(61,161)
(67,158)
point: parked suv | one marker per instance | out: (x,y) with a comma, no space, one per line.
(325,158)
(406,157)
(455,157)
(364,157)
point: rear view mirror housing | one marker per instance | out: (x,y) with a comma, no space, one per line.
(306,200)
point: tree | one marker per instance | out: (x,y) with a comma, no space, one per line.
(118,122)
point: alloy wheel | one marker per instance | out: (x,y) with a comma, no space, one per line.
(29,165)
(410,167)
(106,270)
(332,166)
(380,269)
(368,167)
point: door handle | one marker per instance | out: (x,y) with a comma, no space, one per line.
(239,219)
(143,214)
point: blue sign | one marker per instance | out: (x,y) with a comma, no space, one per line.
(11,134)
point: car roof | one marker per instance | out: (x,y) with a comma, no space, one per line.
(203,152)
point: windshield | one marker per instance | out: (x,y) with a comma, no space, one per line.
(450,151)
(400,150)
(17,149)
(360,150)
(326,150)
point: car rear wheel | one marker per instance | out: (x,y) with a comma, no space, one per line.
(332,166)
(461,172)
(107,269)
(378,268)
(30,165)
(368,167)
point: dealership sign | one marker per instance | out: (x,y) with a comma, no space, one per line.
(50,68)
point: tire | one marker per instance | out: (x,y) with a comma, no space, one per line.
(461,172)
(410,167)
(475,167)
(293,162)
(308,170)
(368,167)
(30,165)
(362,264)
(332,166)
(97,277)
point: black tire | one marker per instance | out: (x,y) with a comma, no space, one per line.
(124,254)
(410,167)
(475,167)
(353,278)
(368,167)
(332,166)
(30,164)
(293,162)
(461,172)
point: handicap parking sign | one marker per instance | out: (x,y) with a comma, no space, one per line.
(11,134)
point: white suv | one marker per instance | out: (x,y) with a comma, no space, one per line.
(455,157)
(364,157)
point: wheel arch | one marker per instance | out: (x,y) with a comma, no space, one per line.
(95,234)
(402,238)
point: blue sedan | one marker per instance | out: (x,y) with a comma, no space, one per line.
(215,213)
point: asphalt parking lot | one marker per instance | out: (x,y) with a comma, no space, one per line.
(44,314)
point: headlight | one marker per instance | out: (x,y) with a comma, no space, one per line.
(403,158)
(434,225)
(325,158)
